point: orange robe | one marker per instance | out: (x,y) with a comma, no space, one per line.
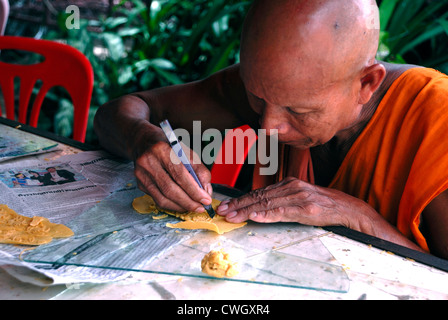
(399,163)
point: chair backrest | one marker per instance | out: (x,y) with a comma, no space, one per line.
(4,13)
(63,66)
(227,167)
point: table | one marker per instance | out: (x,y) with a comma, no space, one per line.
(376,269)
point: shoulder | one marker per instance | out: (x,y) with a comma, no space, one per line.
(412,84)
(227,79)
(228,88)
(412,74)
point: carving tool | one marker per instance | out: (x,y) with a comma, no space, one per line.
(177,148)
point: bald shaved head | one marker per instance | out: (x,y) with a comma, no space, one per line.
(321,37)
(309,55)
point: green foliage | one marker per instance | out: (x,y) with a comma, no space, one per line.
(415,31)
(177,41)
(140,48)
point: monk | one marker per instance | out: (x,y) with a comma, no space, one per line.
(362,141)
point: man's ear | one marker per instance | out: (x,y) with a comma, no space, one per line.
(371,79)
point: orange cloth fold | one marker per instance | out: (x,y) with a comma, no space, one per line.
(399,163)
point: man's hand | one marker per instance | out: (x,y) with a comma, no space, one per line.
(168,182)
(293,200)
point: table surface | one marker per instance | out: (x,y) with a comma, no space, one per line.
(376,270)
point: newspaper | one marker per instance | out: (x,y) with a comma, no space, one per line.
(92,193)
(34,187)
(61,191)
(15,143)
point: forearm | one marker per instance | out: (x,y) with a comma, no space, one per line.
(122,125)
(366,220)
(293,200)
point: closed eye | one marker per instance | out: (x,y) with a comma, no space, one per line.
(290,110)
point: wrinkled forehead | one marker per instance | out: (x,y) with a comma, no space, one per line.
(287,44)
(310,41)
(285,76)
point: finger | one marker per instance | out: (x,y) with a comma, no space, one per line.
(170,189)
(202,172)
(180,175)
(279,214)
(155,181)
(268,210)
(260,196)
(162,201)
(205,177)
(173,179)
(185,180)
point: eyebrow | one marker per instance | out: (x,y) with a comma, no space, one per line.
(313,108)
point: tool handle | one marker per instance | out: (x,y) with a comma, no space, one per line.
(177,148)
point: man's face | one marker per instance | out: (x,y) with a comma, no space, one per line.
(301,69)
(305,109)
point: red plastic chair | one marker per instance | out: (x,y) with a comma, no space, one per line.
(226,169)
(63,66)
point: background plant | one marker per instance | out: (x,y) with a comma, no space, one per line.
(140,47)
(415,31)
(147,44)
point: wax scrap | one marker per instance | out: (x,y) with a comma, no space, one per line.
(192,220)
(218,263)
(18,229)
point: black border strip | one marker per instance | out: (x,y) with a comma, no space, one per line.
(421,257)
(47,134)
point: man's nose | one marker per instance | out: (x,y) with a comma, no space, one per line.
(273,122)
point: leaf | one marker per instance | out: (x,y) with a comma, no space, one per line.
(444,24)
(63,119)
(111,23)
(125,75)
(162,64)
(141,65)
(128,32)
(387,8)
(146,79)
(205,22)
(114,44)
(434,31)
(403,13)
(221,26)
(171,78)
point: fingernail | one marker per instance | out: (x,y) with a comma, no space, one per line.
(209,189)
(253,215)
(222,207)
(231,215)
(206,201)
(200,209)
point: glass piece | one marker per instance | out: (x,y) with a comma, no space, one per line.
(113,236)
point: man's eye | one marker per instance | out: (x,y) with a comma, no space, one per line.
(293,112)
(258,99)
